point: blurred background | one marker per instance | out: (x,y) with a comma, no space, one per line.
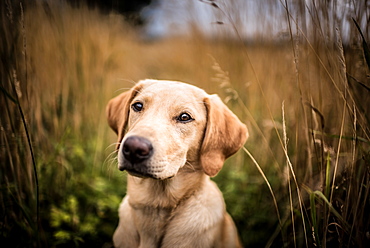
(296,72)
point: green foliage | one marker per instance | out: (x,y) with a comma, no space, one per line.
(71,222)
(82,209)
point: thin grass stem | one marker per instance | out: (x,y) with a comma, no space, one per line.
(267,183)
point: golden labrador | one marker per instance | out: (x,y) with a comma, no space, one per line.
(172,137)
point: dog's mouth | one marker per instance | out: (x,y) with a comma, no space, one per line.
(143,172)
(146,175)
(137,170)
(137,174)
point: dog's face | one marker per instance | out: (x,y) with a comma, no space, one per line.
(163,126)
(166,123)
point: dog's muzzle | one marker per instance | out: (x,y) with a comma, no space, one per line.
(136,153)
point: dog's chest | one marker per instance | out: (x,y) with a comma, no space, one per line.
(152,224)
(177,227)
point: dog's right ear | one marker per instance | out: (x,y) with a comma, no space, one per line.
(118,110)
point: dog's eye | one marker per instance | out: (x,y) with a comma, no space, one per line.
(137,106)
(184,117)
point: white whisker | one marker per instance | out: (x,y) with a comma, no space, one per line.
(127,80)
(113,144)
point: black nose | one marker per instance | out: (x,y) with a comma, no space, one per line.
(136,149)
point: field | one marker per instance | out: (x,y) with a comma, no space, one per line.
(302,179)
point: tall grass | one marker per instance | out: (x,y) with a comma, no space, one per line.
(326,133)
(303,181)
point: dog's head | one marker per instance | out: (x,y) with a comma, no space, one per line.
(164,125)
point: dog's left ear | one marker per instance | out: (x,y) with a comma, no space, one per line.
(118,110)
(224,135)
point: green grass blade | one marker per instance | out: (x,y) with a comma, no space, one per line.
(327,176)
(344,223)
(314,219)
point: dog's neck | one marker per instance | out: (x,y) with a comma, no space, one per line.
(164,194)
